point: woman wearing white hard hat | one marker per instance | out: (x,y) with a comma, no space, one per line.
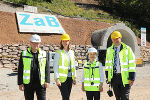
(64,68)
(33,70)
(92,76)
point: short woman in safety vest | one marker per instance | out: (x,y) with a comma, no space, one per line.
(64,68)
(92,76)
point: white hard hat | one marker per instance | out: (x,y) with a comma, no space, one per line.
(35,38)
(92,50)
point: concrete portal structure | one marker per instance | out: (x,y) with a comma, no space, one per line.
(101,39)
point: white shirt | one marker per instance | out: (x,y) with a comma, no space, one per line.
(118,67)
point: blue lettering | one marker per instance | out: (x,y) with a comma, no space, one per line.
(39,22)
(52,21)
(24,20)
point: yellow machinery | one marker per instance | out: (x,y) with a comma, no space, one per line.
(139,62)
(80,64)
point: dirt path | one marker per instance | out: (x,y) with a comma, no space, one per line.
(9,89)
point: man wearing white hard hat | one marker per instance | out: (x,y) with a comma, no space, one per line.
(33,70)
(92,76)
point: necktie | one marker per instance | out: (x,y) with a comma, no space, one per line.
(115,60)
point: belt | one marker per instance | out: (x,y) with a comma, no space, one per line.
(117,74)
(69,70)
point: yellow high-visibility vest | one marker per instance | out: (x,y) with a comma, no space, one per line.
(27,58)
(91,76)
(64,65)
(127,62)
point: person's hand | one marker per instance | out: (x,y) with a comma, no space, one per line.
(107,81)
(101,87)
(74,81)
(21,87)
(131,82)
(58,83)
(82,88)
(46,85)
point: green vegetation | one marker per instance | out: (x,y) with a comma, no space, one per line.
(68,8)
(134,11)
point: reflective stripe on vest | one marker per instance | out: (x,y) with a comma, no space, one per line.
(91,81)
(64,65)
(127,62)
(27,59)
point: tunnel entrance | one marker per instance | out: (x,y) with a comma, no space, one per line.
(126,38)
(101,39)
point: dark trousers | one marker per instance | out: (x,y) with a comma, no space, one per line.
(30,89)
(65,88)
(121,92)
(93,94)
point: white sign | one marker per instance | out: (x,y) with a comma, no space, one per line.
(143,36)
(30,9)
(38,23)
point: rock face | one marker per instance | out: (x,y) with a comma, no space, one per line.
(10,59)
(145,53)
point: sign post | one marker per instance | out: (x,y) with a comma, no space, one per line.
(143,36)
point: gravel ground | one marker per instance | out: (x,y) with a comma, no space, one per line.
(9,89)
(9,8)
